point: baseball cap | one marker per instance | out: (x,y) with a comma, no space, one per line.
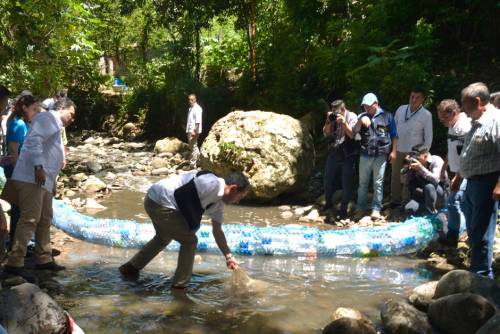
(369,99)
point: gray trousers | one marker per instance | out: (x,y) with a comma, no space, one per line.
(169,225)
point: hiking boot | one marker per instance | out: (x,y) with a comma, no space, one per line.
(128,271)
(52,266)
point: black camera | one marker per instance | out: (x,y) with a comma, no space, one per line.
(333,117)
(409,159)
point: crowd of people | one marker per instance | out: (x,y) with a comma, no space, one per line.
(34,152)
(33,147)
(419,180)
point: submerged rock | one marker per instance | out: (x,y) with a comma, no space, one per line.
(275,151)
(26,309)
(462,313)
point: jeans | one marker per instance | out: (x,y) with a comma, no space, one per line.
(456,217)
(368,167)
(338,170)
(480,212)
(427,195)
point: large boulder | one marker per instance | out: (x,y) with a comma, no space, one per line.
(275,151)
(462,281)
(402,318)
(170,145)
(492,326)
(461,313)
(26,309)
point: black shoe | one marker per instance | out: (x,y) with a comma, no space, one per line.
(52,266)
(128,271)
(449,241)
(10,271)
(341,215)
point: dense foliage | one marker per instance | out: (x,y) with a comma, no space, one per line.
(289,56)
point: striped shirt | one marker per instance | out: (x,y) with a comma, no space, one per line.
(481,152)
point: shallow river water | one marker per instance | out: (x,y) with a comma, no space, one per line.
(294,295)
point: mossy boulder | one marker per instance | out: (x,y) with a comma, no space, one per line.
(275,151)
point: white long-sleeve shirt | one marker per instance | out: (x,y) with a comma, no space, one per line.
(414,128)
(194,117)
(42,146)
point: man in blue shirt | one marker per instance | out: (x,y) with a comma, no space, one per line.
(379,136)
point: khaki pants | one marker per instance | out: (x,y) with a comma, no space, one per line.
(168,224)
(398,190)
(195,151)
(35,205)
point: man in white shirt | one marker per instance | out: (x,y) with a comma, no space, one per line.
(414,124)
(175,206)
(193,128)
(458,125)
(34,179)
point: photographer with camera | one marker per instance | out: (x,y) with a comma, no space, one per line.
(422,173)
(342,150)
(458,125)
(378,135)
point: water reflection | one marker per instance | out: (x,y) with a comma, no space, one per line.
(300,297)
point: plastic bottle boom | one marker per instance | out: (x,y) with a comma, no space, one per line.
(296,240)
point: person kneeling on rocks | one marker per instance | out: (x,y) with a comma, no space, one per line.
(34,181)
(175,206)
(422,173)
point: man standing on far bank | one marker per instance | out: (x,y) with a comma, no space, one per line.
(480,165)
(414,125)
(193,129)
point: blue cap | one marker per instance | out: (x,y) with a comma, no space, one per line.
(369,99)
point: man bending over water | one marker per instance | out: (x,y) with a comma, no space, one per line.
(175,206)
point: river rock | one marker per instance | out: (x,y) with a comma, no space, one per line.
(170,145)
(349,326)
(462,281)
(93,184)
(401,317)
(420,302)
(461,313)
(93,166)
(275,151)
(427,289)
(159,163)
(346,312)
(286,215)
(79,177)
(128,129)
(161,171)
(492,326)
(26,309)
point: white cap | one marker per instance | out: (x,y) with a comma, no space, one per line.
(369,99)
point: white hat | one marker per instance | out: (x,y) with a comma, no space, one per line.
(369,99)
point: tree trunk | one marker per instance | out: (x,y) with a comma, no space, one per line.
(198,54)
(252,29)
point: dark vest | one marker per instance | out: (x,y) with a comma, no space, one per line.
(189,202)
(376,139)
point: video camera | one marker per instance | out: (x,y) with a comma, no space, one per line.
(409,159)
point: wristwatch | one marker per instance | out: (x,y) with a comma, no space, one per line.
(38,167)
